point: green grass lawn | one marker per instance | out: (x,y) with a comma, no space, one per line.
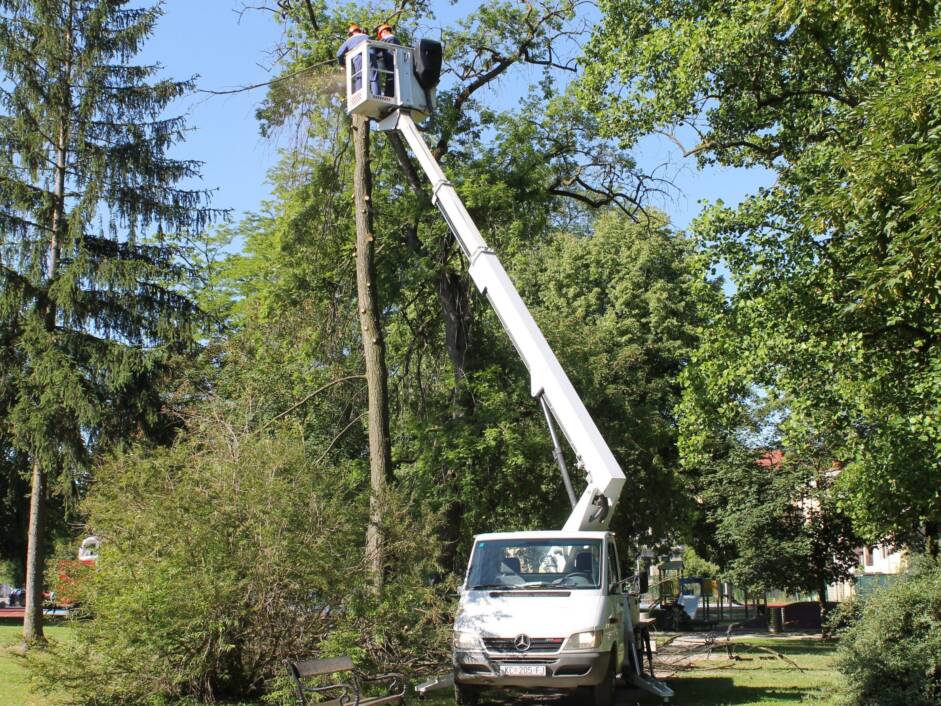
(14,680)
(761,678)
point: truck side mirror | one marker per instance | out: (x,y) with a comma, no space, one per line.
(643,578)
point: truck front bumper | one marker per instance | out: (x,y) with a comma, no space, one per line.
(564,670)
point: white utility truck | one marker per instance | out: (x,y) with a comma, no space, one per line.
(538,610)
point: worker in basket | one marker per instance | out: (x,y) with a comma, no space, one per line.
(354,37)
(385,84)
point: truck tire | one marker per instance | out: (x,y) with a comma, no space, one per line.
(466,695)
(603,693)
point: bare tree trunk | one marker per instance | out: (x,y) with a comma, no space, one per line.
(824,609)
(35,555)
(35,541)
(380,447)
(458,317)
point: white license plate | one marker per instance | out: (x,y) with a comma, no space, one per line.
(523,670)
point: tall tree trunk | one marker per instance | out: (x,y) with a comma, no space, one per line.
(35,556)
(931,539)
(456,313)
(35,547)
(824,611)
(380,447)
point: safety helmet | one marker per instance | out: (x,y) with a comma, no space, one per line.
(353,28)
(383,28)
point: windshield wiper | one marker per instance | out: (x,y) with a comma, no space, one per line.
(502,586)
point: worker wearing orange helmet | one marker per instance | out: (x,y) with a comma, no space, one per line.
(354,37)
(385,33)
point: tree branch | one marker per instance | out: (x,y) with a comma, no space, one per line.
(322,456)
(309,397)
(277,79)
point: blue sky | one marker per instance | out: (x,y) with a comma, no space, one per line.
(210,38)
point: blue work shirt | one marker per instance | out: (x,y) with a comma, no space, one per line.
(388,63)
(357,63)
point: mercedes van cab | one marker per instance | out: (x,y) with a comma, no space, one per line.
(542,610)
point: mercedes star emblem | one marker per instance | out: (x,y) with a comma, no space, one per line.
(522,643)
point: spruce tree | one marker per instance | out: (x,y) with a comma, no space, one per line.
(91,207)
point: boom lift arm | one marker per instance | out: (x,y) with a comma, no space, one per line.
(549,383)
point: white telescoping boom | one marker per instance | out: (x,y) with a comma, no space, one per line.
(549,383)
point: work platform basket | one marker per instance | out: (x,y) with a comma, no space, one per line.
(383,77)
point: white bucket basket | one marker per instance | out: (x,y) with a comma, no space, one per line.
(380,78)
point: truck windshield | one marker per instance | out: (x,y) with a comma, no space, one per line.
(535,563)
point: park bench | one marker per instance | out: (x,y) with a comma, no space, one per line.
(309,677)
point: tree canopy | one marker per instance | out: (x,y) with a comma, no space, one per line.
(835,266)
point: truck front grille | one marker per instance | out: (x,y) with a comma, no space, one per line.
(507,645)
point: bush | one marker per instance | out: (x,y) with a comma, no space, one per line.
(227,553)
(695,565)
(890,655)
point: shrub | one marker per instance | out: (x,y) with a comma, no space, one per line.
(695,565)
(223,555)
(890,655)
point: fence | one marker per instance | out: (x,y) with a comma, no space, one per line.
(867,583)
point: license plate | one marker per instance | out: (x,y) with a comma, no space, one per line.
(523,670)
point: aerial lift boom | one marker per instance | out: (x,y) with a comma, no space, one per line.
(390,83)
(548,381)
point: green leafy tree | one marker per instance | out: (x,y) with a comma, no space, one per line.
(230,551)
(695,565)
(777,517)
(88,279)
(835,267)
(452,371)
(623,307)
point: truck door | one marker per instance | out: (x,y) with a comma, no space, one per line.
(616,600)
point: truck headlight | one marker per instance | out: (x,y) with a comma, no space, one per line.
(585,640)
(467,640)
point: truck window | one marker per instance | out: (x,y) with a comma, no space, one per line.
(536,563)
(614,571)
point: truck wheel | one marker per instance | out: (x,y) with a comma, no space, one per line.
(466,695)
(603,693)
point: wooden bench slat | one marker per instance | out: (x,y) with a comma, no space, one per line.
(315,667)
